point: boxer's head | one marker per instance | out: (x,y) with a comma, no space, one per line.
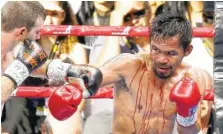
(170,37)
(22,19)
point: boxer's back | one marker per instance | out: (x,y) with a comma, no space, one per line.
(142,105)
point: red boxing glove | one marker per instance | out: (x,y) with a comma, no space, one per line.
(186,94)
(64,101)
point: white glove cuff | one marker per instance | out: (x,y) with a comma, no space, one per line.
(17,71)
(188,121)
(57,70)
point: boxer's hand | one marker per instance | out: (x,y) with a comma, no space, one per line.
(64,101)
(87,77)
(186,94)
(31,56)
(91,77)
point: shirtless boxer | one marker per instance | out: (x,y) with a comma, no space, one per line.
(21,21)
(153,89)
(147,100)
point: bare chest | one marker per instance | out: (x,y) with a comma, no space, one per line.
(147,96)
(145,105)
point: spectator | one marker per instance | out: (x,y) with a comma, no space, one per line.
(59,13)
(96,13)
(192,9)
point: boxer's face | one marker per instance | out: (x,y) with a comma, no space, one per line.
(166,56)
(34,33)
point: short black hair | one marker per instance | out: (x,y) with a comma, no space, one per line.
(169,24)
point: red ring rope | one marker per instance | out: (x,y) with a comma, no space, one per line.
(103,93)
(45,92)
(83,30)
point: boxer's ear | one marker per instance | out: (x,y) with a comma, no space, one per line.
(188,50)
(21,33)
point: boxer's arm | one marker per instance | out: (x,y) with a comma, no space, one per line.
(107,68)
(198,76)
(114,69)
(30,57)
(7,88)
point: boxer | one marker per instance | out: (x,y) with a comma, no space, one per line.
(152,89)
(20,20)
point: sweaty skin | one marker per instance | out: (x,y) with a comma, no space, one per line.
(141,101)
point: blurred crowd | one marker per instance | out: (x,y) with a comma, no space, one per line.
(31,116)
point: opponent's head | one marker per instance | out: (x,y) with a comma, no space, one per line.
(22,19)
(170,38)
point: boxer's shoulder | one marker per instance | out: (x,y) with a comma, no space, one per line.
(196,71)
(201,77)
(122,60)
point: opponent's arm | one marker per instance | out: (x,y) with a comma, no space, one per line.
(30,57)
(187,94)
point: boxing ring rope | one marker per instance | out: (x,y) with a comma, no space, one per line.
(45,92)
(103,93)
(80,30)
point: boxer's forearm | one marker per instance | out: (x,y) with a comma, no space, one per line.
(194,129)
(7,88)
(82,105)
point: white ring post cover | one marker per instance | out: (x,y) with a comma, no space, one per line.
(218,69)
